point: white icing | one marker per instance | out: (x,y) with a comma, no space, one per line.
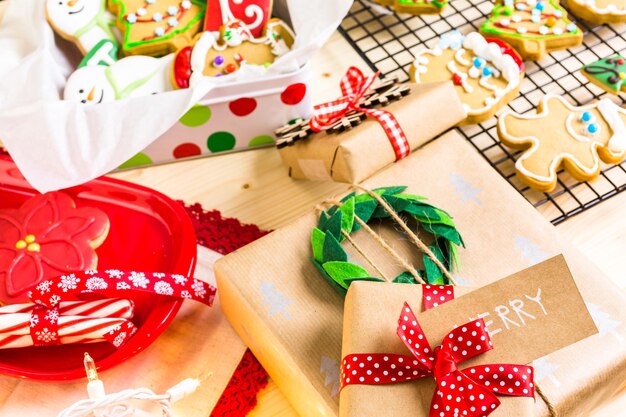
(610,112)
(453,69)
(610,9)
(484,82)
(544,30)
(557,31)
(554,164)
(459,57)
(474,72)
(516,18)
(578,135)
(521,30)
(505,22)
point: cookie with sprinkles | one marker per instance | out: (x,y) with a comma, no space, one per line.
(533,27)
(486,73)
(599,11)
(157,27)
(419,6)
(607,73)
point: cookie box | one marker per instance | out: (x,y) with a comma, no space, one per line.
(233,117)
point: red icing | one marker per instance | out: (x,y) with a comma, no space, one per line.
(230,68)
(456,78)
(293,94)
(508,50)
(620,61)
(213,20)
(65,235)
(186,150)
(242,106)
(182,67)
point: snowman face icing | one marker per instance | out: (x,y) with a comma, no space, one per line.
(89,85)
(69,16)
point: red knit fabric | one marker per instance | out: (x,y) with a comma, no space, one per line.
(225,235)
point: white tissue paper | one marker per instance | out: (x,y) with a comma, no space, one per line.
(59,144)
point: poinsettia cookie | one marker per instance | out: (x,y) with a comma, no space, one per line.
(563,135)
(84,22)
(607,73)
(132,76)
(533,27)
(210,57)
(599,11)
(486,73)
(157,27)
(46,237)
(253,13)
(419,6)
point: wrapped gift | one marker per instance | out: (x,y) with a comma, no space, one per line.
(292,319)
(341,152)
(390,356)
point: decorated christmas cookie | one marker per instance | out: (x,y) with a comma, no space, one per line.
(253,13)
(235,47)
(532,27)
(419,6)
(562,135)
(46,237)
(133,76)
(157,27)
(84,22)
(599,11)
(486,73)
(607,73)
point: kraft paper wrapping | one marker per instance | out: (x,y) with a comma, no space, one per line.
(356,154)
(292,319)
(370,321)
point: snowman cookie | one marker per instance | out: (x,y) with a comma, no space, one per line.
(157,27)
(486,73)
(210,57)
(132,76)
(84,22)
(563,135)
(533,27)
(599,11)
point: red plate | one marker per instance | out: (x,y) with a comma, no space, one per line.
(149,232)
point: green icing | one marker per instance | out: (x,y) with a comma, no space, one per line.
(113,50)
(501,10)
(128,44)
(126,91)
(436,3)
(607,72)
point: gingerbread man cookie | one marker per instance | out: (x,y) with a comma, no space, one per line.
(607,73)
(84,22)
(533,27)
(561,134)
(486,73)
(419,6)
(46,237)
(599,11)
(157,27)
(235,47)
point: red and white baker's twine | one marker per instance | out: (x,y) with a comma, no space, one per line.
(354,85)
(48,327)
(468,392)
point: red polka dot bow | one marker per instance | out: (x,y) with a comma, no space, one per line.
(354,85)
(468,392)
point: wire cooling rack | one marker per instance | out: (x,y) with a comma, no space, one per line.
(385,40)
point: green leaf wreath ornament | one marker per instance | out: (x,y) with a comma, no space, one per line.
(354,212)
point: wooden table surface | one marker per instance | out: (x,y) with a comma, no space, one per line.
(254,187)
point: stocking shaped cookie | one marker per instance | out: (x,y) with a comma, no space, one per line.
(157,27)
(607,73)
(210,57)
(532,27)
(599,11)
(132,76)
(84,22)
(560,134)
(419,6)
(253,13)
(486,73)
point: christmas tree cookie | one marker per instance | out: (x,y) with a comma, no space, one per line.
(562,135)
(599,11)
(157,27)
(419,6)
(486,72)
(532,27)
(607,73)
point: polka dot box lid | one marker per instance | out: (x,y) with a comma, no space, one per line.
(230,118)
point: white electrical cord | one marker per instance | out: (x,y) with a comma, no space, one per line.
(115,405)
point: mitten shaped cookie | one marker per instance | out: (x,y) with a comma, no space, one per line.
(486,73)
(533,27)
(607,73)
(563,135)
(599,11)
(157,27)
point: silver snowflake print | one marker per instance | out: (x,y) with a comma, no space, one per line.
(122,286)
(44,286)
(91,272)
(54,300)
(185,294)
(139,279)
(52,315)
(158,274)
(46,336)
(163,288)
(180,279)
(68,282)
(198,288)
(96,283)
(114,273)
(33,321)
(119,339)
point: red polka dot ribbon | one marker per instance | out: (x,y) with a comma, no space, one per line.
(113,283)
(354,85)
(468,392)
